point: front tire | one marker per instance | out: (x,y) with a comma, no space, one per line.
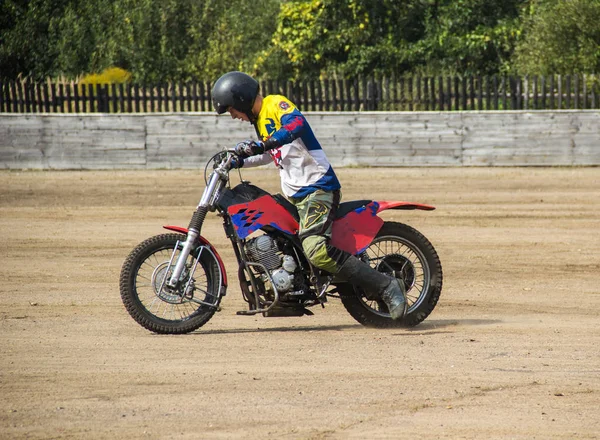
(158,308)
(403,252)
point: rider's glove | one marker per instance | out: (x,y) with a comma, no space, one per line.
(237,162)
(249,148)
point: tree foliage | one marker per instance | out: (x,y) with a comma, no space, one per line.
(560,37)
(179,40)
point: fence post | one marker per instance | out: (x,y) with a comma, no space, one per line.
(344,90)
(102,96)
(594,83)
(319,95)
(426,92)
(334,101)
(69,98)
(584,87)
(535,93)
(504,84)
(113,91)
(551,92)
(448,94)
(479,93)
(441,92)
(418,105)
(576,97)
(399,96)
(152,99)
(195,95)
(38,97)
(326,101)
(568,84)
(543,87)
(373,97)
(387,98)
(76,97)
(83,97)
(495,87)
(181,96)
(26,97)
(61,98)
(456,93)
(433,94)
(393,87)
(526,93)
(2,110)
(159,97)
(411,105)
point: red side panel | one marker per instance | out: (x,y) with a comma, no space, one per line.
(403,205)
(355,231)
(204,242)
(264,211)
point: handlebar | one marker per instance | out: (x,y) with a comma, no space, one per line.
(222,163)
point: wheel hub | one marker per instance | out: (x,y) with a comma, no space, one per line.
(399,267)
(168,294)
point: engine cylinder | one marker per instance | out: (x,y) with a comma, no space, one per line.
(264,250)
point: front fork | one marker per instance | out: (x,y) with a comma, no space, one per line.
(208,199)
(188,246)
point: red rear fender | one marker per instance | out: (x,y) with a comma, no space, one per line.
(403,205)
(203,241)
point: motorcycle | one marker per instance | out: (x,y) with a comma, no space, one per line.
(173,283)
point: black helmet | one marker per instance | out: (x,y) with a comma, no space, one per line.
(237,90)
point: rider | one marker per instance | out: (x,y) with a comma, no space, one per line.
(307,179)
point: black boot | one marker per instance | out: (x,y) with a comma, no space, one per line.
(389,289)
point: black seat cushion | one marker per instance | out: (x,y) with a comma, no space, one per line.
(347,207)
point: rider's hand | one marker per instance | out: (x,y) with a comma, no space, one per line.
(249,148)
(237,162)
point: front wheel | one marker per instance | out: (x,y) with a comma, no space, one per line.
(404,253)
(156,306)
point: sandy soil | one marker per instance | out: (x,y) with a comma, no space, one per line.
(511,351)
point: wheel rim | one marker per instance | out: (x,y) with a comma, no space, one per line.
(402,259)
(171,304)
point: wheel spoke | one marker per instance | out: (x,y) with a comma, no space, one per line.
(395,255)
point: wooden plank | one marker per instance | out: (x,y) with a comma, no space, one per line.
(363,138)
(527,138)
(585,129)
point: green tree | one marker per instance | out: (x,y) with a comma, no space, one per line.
(157,40)
(560,37)
(230,36)
(27,37)
(360,36)
(345,36)
(468,37)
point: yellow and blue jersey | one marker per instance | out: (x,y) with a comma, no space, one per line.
(303,165)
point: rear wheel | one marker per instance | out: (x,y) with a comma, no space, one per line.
(404,253)
(159,308)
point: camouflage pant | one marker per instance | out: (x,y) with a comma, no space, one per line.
(317,211)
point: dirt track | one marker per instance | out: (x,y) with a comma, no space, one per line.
(511,351)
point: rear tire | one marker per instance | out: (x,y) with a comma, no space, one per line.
(403,252)
(157,308)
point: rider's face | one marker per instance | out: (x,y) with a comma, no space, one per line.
(238,115)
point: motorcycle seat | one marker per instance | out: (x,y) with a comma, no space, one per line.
(347,207)
(343,209)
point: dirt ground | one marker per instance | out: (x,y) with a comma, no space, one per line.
(510,352)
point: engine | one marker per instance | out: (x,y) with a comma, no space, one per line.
(281,267)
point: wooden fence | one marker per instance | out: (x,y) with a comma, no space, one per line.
(367,93)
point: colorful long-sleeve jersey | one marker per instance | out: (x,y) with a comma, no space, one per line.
(303,165)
